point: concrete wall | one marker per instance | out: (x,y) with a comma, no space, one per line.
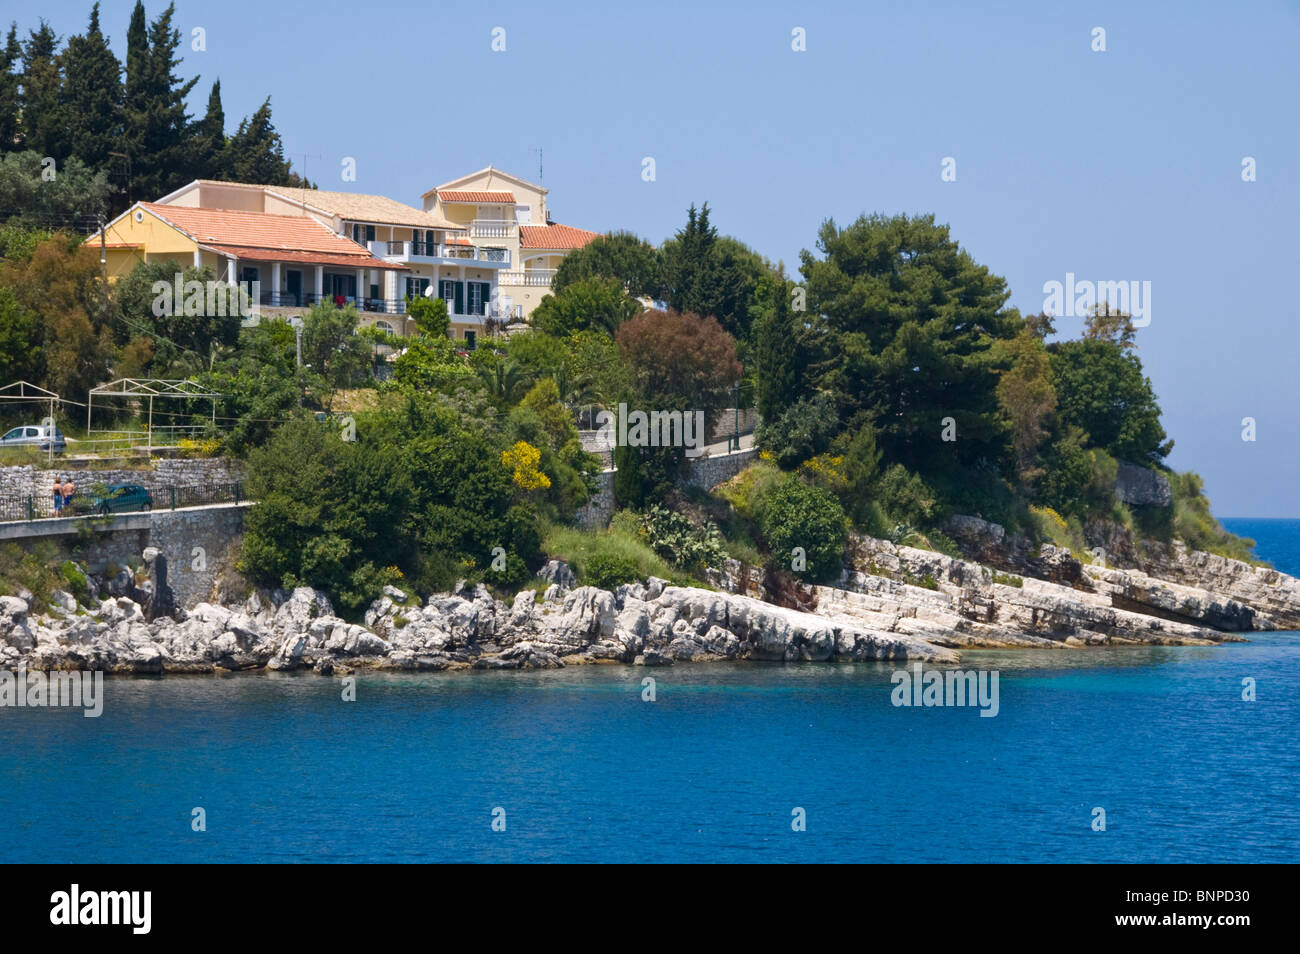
(200,543)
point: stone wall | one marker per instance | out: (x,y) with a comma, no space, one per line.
(200,544)
(196,473)
(600,507)
(706,472)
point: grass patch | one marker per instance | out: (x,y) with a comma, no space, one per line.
(606,554)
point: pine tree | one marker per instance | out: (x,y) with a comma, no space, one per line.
(256,152)
(92,95)
(42,121)
(9,58)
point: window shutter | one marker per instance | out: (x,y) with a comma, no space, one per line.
(484,296)
(460,298)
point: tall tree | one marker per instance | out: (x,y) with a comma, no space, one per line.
(708,274)
(43,122)
(633,261)
(1101,389)
(92,95)
(1027,398)
(778,353)
(909,318)
(10,57)
(155,117)
(256,152)
(208,145)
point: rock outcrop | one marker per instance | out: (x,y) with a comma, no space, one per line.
(892,603)
(650,623)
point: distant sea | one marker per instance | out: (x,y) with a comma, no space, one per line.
(715,769)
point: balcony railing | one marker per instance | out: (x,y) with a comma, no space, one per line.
(405,251)
(387,306)
(535,277)
(491,228)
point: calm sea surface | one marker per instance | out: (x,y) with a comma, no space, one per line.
(581,769)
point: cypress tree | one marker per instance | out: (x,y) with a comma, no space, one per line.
(208,140)
(43,125)
(777,354)
(156,121)
(92,95)
(9,57)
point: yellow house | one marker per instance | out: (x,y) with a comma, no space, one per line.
(288,261)
(435,254)
(508,216)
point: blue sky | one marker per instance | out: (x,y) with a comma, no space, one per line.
(1122,165)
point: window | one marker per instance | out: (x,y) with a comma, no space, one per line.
(476,298)
(523,214)
(416,287)
(384,326)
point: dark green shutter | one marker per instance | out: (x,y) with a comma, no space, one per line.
(485,295)
(460,298)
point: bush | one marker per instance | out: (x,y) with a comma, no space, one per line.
(797,515)
(581,548)
(802,432)
(681,542)
(608,571)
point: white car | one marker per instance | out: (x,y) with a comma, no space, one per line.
(34,435)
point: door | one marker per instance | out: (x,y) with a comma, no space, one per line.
(293,282)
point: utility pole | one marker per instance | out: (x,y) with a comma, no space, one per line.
(127,157)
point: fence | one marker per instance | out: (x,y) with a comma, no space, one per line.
(104,500)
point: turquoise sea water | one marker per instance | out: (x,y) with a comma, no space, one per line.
(584,770)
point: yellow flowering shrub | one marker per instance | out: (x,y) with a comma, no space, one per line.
(523,459)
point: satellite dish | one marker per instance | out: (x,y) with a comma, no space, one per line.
(428,292)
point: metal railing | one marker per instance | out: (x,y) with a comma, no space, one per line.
(95,501)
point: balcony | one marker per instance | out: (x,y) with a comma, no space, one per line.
(433,253)
(529,277)
(385,306)
(492,228)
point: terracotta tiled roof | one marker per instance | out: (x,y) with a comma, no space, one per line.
(306,258)
(554,236)
(266,237)
(360,207)
(479,197)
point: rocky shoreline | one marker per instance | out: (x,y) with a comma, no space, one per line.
(892,603)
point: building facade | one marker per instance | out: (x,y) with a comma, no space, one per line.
(509,216)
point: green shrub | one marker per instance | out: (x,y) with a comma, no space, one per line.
(681,542)
(608,571)
(794,515)
(804,430)
(74,580)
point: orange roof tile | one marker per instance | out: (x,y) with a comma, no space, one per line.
(481,197)
(554,236)
(259,235)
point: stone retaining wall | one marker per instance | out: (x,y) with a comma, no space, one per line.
(26,480)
